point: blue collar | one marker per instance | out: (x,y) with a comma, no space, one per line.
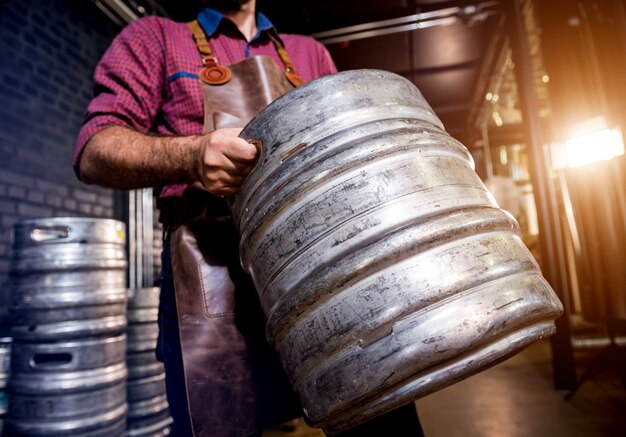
(210,19)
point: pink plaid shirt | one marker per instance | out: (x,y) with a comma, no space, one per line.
(147,80)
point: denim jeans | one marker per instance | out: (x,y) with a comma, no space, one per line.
(168,349)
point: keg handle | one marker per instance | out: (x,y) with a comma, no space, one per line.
(48,361)
(50,233)
(230,200)
(259,151)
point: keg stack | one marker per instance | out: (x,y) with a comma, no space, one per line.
(68,305)
(148,410)
(5,367)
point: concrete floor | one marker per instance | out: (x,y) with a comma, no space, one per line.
(516,399)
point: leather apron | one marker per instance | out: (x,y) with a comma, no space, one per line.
(234,380)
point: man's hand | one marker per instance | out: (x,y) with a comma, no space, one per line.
(224,161)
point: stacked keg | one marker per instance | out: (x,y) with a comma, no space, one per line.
(68,303)
(148,412)
(5,367)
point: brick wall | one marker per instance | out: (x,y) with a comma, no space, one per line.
(48,49)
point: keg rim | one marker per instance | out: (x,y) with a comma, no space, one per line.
(63,219)
(328,78)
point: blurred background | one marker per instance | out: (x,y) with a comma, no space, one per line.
(536,91)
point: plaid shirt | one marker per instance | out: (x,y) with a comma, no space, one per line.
(147,80)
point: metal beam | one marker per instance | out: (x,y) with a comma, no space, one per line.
(451,108)
(420,71)
(117,11)
(470,14)
(550,235)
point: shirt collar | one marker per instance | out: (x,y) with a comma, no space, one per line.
(210,20)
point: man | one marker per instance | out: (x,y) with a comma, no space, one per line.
(195,85)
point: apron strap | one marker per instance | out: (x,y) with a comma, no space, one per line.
(215,74)
(290,72)
(212,73)
(200,38)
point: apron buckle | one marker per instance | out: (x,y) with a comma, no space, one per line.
(213,73)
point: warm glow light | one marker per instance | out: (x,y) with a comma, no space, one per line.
(488,96)
(504,159)
(497,119)
(595,146)
(545,78)
(495,98)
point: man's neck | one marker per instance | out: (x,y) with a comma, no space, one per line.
(245,19)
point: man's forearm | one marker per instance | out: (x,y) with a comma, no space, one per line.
(122,158)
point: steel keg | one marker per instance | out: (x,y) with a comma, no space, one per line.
(384,266)
(148,410)
(149,417)
(5,361)
(5,370)
(74,387)
(143,330)
(68,278)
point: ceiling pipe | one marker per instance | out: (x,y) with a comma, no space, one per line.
(117,11)
(471,14)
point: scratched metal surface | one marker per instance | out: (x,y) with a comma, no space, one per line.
(148,409)
(68,278)
(71,387)
(386,269)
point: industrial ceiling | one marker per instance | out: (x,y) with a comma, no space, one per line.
(442,46)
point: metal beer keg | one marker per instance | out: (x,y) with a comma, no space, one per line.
(68,308)
(148,410)
(74,387)
(5,371)
(385,268)
(68,278)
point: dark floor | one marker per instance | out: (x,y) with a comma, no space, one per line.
(515,399)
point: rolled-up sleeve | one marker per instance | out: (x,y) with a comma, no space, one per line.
(128,83)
